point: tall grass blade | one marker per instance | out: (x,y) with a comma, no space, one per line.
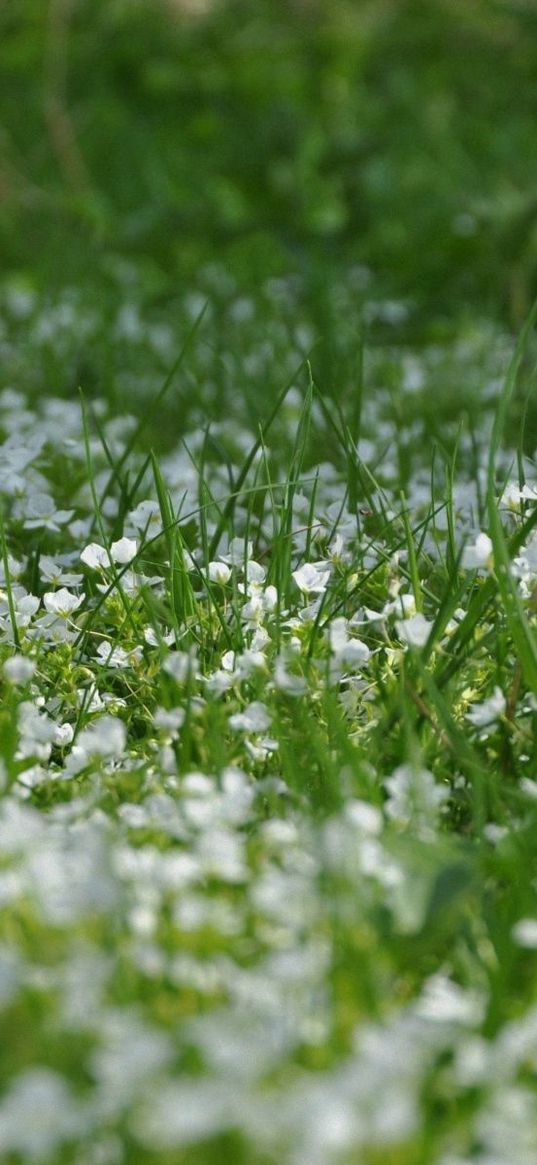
(182,598)
(519,627)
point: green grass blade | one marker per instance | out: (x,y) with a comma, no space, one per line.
(182,598)
(519,627)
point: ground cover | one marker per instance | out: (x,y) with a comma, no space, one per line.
(268,795)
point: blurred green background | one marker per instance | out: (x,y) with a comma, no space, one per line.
(274,135)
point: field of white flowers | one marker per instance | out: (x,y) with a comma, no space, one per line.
(268,811)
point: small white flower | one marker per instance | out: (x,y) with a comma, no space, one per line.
(36,732)
(54,574)
(346,649)
(115,656)
(26,606)
(524,933)
(152,639)
(170,719)
(483,715)
(41,511)
(255,573)
(414,631)
(478,555)
(15,569)
(62,603)
(262,749)
(403,605)
(311,578)
(414,798)
(287,681)
(255,718)
(260,638)
(246,662)
(19,669)
(106,736)
(252,612)
(63,735)
(270,598)
(95,556)
(179,665)
(124,550)
(219,681)
(238,553)
(513,495)
(147,516)
(37,1115)
(219,572)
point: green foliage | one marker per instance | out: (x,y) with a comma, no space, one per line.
(400,135)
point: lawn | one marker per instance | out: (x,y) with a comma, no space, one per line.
(268,583)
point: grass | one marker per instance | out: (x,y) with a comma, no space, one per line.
(268,585)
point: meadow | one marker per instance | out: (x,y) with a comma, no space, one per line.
(268,583)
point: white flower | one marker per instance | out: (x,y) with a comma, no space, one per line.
(311,578)
(414,798)
(54,574)
(367,818)
(241,665)
(19,669)
(252,612)
(220,681)
(15,569)
(147,516)
(40,511)
(36,732)
(513,495)
(403,605)
(124,551)
(26,606)
(262,749)
(478,554)
(287,681)
(37,1115)
(255,573)
(179,665)
(170,719)
(238,553)
(115,656)
(63,735)
(95,556)
(347,650)
(443,1001)
(153,640)
(246,662)
(260,637)
(219,572)
(483,715)
(414,631)
(270,598)
(62,603)
(524,933)
(185,1112)
(106,736)
(525,565)
(255,718)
